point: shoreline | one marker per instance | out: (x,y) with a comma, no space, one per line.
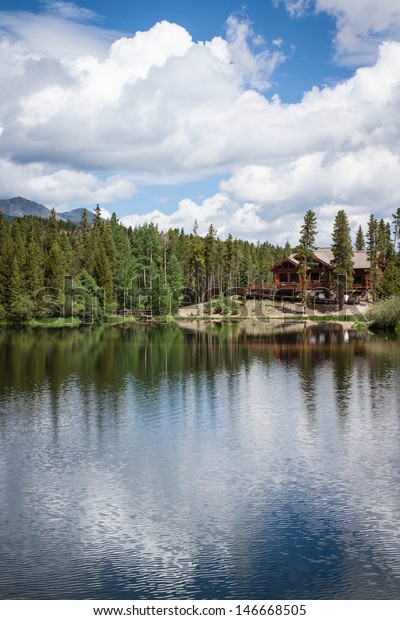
(341,320)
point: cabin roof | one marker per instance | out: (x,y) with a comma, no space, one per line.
(361,260)
(290,258)
(360,257)
(325,255)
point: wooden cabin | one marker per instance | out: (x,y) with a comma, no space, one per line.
(320,274)
(286,279)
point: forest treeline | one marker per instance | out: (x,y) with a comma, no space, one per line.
(53,268)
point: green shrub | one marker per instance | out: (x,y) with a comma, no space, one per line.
(385,315)
(221,306)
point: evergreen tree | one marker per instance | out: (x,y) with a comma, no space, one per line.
(245,268)
(386,260)
(342,255)
(228,264)
(389,252)
(34,269)
(286,250)
(237,259)
(128,287)
(383,245)
(19,241)
(107,240)
(20,306)
(52,230)
(84,225)
(266,262)
(69,266)
(390,284)
(396,229)
(182,254)
(373,254)
(86,299)
(55,269)
(197,266)
(102,274)
(98,221)
(147,249)
(4,229)
(173,243)
(305,252)
(210,246)
(175,284)
(360,241)
(121,247)
(81,243)
(6,262)
(156,293)
(94,241)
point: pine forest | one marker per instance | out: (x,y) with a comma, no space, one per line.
(54,268)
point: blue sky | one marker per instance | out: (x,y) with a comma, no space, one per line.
(243,115)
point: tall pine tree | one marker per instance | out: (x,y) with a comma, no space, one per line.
(20,306)
(373,254)
(396,229)
(342,250)
(305,252)
(360,241)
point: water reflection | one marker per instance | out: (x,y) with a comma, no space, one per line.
(152,463)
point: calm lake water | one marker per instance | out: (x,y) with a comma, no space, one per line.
(158,463)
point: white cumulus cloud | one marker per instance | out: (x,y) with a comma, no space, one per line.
(157,107)
(361,25)
(59,187)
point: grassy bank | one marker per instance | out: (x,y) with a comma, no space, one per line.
(75,322)
(54,323)
(68,323)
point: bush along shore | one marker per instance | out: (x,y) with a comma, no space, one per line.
(384,316)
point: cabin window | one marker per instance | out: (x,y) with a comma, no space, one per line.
(358,279)
(294,277)
(283,277)
(315,276)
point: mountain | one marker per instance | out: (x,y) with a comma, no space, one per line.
(76,214)
(18,207)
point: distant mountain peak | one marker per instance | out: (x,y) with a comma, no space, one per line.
(19,206)
(76,215)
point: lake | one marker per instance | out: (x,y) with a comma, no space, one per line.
(163,462)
